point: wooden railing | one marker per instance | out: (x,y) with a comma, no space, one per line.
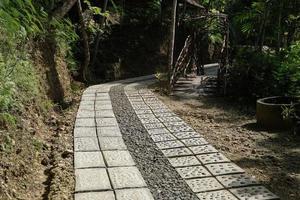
(183,61)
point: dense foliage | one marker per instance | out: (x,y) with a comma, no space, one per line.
(287,75)
(265,46)
(264,41)
(23,23)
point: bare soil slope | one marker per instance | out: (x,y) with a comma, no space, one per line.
(36,156)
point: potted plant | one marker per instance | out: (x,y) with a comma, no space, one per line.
(277,112)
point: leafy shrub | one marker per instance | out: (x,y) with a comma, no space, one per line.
(7,120)
(259,74)
(66,38)
(7,145)
(288,74)
(251,74)
(21,22)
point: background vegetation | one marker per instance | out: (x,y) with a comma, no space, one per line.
(264,42)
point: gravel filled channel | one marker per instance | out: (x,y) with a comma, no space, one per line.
(162,179)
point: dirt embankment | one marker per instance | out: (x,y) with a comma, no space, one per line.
(36,156)
(271,157)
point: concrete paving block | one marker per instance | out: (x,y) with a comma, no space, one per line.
(134,194)
(145,92)
(193,172)
(194,141)
(118,158)
(204,184)
(87,102)
(253,192)
(103,106)
(150,99)
(156,107)
(143,111)
(158,131)
(170,119)
(186,135)
(106,122)
(236,180)
(153,126)
(175,123)
(149,120)
(108,195)
(165,110)
(103,102)
(203,149)
(88,94)
(113,131)
(162,115)
(212,158)
(175,129)
(136,100)
(85,132)
(126,177)
(86,144)
(112,143)
(103,93)
(91,179)
(216,195)
(184,161)
(155,103)
(183,151)
(85,122)
(102,98)
(104,113)
(146,116)
(86,107)
(88,159)
(224,168)
(140,107)
(85,98)
(133,93)
(169,144)
(162,137)
(85,114)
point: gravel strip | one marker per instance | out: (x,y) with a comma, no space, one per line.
(162,179)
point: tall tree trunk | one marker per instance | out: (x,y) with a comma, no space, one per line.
(172,39)
(261,27)
(85,41)
(279,40)
(64,9)
(99,35)
(264,30)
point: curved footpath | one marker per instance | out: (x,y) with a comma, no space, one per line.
(129,146)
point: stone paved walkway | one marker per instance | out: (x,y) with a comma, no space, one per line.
(105,170)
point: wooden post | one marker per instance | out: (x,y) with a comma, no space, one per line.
(172,41)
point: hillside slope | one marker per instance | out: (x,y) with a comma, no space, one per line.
(36,145)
